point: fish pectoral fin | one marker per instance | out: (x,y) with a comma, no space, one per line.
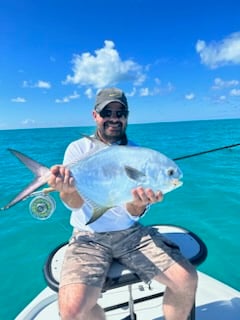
(97,213)
(135,174)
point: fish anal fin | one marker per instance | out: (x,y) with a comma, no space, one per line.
(97,213)
(98,210)
(135,174)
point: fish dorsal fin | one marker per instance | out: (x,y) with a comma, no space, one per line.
(135,174)
(98,146)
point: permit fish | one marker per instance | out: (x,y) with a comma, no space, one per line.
(106,175)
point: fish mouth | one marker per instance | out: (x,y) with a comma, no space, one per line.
(177,183)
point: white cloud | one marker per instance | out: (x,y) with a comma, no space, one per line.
(18,100)
(132,93)
(221,84)
(28,122)
(157,90)
(235,92)
(190,96)
(67,99)
(25,84)
(43,84)
(216,54)
(222,98)
(89,93)
(104,68)
(169,88)
(144,92)
(39,84)
(158,81)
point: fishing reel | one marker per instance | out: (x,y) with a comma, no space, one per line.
(42,205)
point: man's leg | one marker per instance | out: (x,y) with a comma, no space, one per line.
(152,255)
(181,284)
(79,302)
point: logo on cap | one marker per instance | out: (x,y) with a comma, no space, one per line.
(113,94)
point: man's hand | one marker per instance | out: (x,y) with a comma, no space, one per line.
(62,181)
(141,198)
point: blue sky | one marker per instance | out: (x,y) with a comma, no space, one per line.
(176,60)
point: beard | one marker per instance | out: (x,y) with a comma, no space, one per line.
(112,131)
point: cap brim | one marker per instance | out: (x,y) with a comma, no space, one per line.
(102,105)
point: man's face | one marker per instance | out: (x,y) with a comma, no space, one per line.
(111,122)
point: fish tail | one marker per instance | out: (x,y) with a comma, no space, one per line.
(40,172)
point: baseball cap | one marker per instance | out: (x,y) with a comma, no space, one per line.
(108,95)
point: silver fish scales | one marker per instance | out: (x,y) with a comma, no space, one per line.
(105,178)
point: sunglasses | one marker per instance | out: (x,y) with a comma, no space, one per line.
(106,113)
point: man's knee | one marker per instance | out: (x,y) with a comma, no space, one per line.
(182,277)
(69,310)
(78,301)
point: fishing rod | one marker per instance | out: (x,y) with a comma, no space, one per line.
(207,151)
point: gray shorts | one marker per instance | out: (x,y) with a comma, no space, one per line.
(142,249)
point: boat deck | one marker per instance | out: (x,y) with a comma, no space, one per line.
(214,300)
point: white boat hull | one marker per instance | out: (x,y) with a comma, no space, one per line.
(214,300)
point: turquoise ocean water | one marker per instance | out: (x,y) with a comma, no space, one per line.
(208,203)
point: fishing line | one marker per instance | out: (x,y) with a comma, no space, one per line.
(207,151)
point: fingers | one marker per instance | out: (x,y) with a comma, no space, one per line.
(146,196)
(159,196)
(61,178)
(55,170)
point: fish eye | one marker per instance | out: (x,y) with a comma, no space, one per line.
(170,172)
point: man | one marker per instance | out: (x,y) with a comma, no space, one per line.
(117,233)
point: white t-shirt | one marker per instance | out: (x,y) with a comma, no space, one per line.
(114,219)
